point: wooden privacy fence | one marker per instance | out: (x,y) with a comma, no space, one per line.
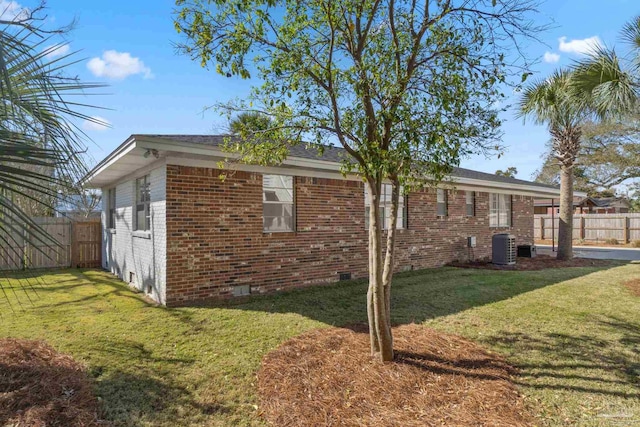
(624,228)
(79,244)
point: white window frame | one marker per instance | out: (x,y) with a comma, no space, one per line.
(111,208)
(385,208)
(470,203)
(442,202)
(500,210)
(285,223)
(143,203)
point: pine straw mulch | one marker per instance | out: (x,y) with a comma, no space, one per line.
(540,262)
(40,387)
(326,377)
(634,286)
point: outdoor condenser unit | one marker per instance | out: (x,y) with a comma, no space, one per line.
(504,249)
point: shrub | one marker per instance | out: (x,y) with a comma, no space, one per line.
(635,244)
(612,241)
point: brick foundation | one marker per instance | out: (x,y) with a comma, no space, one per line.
(215,238)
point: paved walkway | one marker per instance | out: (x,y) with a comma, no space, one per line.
(596,252)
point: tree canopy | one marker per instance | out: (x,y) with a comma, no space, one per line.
(406,88)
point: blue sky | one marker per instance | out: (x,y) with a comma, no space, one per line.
(128,45)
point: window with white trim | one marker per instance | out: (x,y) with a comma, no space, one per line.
(499,210)
(385,207)
(278,213)
(442,197)
(111,204)
(470,203)
(143,201)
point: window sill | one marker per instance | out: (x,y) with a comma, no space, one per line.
(141,234)
(111,230)
(278,233)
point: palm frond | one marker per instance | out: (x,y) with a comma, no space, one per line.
(41,146)
(601,82)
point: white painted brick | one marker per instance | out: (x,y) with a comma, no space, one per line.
(124,252)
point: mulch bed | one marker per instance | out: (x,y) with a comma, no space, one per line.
(326,377)
(634,286)
(40,387)
(540,262)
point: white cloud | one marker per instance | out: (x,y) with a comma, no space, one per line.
(550,57)
(118,65)
(12,10)
(98,124)
(579,46)
(56,50)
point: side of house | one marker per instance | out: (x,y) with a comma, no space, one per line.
(222,242)
(134,230)
(177,231)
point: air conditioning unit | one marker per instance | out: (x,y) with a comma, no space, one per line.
(504,249)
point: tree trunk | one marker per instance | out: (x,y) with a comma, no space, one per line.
(379,326)
(565,229)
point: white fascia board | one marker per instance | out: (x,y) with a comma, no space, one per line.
(190,154)
(124,149)
(203,150)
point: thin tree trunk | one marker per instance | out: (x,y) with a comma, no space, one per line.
(387,273)
(565,229)
(379,328)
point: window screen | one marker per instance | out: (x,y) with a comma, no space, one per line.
(143,199)
(470,204)
(385,207)
(442,202)
(277,203)
(111,203)
(499,210)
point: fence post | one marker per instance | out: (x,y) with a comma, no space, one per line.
(541,228)
(74,245)
(583,233)
(625,231)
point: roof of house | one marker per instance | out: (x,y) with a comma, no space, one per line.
(334,154)
(605,202)
(143,150)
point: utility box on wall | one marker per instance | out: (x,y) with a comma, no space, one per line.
(471,241)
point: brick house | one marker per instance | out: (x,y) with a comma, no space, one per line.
(174,230)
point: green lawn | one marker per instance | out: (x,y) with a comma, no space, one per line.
(575,334)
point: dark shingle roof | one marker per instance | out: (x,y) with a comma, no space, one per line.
(603,202)
(336,154)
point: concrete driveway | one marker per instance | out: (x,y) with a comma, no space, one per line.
(595,252)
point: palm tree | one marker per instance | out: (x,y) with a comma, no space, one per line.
(552,102)
(41,147)
(249,122)
(596,89)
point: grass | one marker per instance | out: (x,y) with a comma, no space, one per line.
(574,333)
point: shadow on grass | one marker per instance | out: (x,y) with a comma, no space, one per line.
(112,286)
(144,398)
(580,363)
(417,296)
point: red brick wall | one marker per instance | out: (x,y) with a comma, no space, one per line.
(215,238)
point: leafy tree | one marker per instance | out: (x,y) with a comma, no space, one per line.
(510,172)
(41,148)
(249,122)
(583,179)
(611,152)
(406,88)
